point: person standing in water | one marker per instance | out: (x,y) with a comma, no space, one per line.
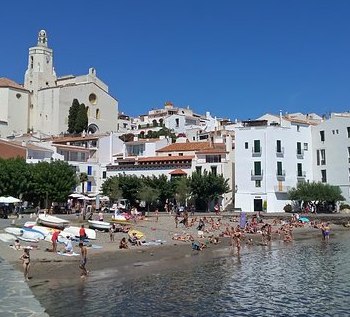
(83,259)
(26,262)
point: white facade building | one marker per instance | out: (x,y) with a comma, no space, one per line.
(331,150)
(271,156)
(14,103)
(45,99)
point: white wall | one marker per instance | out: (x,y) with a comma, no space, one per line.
(336,146)
(14,111)
(244,164)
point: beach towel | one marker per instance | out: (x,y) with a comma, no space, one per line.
(67,254)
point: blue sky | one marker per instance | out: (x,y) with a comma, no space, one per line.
(236,59)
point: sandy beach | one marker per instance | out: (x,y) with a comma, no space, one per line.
(105,258)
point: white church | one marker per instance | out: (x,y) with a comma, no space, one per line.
(42,103)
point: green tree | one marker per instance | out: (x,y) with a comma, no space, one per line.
(148,194)
(81,122)
(163,185)
(316,191)
(207,187)
(182,190)
(83,178)
(111,188)
(53,181)
(72,116)
(15,177)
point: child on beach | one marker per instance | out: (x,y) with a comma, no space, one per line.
(123,244)
(25,258)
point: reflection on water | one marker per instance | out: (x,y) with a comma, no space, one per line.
(306,278)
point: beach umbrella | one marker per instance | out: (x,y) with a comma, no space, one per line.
(9,200)
(76,195)
(139,234)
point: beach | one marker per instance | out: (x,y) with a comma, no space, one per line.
(105,257)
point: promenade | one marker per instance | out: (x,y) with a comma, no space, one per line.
(16,298)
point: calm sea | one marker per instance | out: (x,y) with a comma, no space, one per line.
(306,278)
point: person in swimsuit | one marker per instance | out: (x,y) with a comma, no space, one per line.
(26,263)
(326,230)
(83,259)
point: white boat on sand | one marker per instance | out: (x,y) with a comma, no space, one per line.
(100,225)
(52,221)
(74,231)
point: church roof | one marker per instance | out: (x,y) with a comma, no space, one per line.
(8,83)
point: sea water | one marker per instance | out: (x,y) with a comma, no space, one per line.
(303,278)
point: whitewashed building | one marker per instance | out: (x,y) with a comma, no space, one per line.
(44,100)
(331,151)
(272,154)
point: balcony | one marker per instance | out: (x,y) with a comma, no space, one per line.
(281,175)
(282,188)
(256,175)
(280,152)
(300,154)
(256,151)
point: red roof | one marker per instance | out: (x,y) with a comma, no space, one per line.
(178,172)
(165,158)
(189,146)
(8,83)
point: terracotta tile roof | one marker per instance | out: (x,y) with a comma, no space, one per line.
(165,158)
(212,151)
(188,146)
(8,83)
(11,150)
(72,147)
(65,139)
(178,172)
(34,147)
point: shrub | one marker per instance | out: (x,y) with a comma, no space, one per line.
(288,208)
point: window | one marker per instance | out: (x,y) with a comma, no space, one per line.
(300,169)
(89,170)
(306,146)
(257,146)
(349,154)
(213,158)
(246,145)
(177,122)
(181,154)
(318,157)
(214,170)
(337,131)
(278,146)
(199,169)
(104,174)
(279,169)
(323,176)
(322,136)
(299,148)
(97,113)
(333,131)
(93,99)
(348,129)
(258,183)
(257,168)
(89,187)
(323,157)
(298,128)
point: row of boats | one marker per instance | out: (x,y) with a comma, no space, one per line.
(45,225)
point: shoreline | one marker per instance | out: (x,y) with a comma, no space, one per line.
(51,270)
